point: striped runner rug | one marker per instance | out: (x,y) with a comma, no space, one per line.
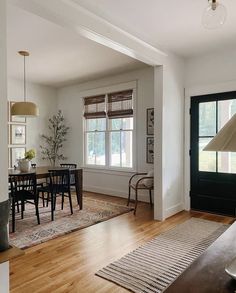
(155,265)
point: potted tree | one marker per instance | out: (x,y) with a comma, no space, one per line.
(53,142)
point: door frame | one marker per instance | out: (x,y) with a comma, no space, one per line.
(197,90)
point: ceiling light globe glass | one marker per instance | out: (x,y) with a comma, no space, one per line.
(213,19)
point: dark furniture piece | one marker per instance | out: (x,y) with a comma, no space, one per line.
(72,175)
(207,274)
(211,189)
(42,172)
(23,189)
(59,185)
(138,185)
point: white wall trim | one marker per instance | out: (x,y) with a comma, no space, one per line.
(173,210)
(190,92)
(109,172)
(108,89)
(4,277)
(158,147)
(71,15)
(114,192)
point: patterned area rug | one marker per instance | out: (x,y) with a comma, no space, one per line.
(28,233)
(155,265)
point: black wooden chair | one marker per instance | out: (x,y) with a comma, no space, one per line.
(72,175)
(23,190)
(59,185)
(139,184)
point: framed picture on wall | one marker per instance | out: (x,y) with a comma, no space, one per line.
(150,121)
(150,150)
(14,118)
(17,134)
(16,154)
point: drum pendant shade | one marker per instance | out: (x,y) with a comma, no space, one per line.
(24,109)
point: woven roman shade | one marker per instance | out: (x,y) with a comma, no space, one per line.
(120,104)
(94,107)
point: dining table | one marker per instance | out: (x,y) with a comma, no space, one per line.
(43,172)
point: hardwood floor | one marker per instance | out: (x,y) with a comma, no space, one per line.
(68,263)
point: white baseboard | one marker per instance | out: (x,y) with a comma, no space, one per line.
(118,193)
(174,210)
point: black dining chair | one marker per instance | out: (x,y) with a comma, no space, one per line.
(59,185)
(23,190)
(72,175)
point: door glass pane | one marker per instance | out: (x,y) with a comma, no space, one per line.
(226,109)
(207,119)
(207,160)
(90,149)
(127,154)
(100,148)
(115,149)
(226,162)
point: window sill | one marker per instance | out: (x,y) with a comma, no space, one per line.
(120,172)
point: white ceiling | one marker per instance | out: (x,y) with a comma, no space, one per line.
(174,25)
(58,57)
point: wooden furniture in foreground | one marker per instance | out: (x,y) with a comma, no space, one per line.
(207,274)
(42,172)
(138,185)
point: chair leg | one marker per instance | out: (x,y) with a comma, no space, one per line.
(13,215)
(54,200)
(70,200)
(47,198)
(52,207)
(129,196)
(62,201)
(43,198)
(36,202)
(22,208)
(18,206)
(150,195)
(136,201)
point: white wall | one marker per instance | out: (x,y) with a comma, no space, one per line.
(211,73)
(70,101)
(46,99)
(4,268)
(169,172)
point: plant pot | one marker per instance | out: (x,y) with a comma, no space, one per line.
(4,218)
(24,165)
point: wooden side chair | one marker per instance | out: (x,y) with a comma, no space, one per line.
(59,185)
(72,176)
(141,181)
(23,190)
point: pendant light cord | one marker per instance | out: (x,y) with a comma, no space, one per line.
(24,81)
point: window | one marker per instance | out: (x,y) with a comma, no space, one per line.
(212,117)
(109,128)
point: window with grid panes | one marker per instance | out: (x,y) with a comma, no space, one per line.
(109,130)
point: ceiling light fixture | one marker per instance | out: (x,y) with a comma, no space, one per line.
(24,109)
(214,15)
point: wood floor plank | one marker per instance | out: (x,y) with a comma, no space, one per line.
(69,263)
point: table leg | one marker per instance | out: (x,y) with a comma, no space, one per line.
(79,187)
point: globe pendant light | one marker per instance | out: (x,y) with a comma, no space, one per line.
(214,15)
(24,109)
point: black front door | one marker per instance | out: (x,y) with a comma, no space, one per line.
(213,174)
